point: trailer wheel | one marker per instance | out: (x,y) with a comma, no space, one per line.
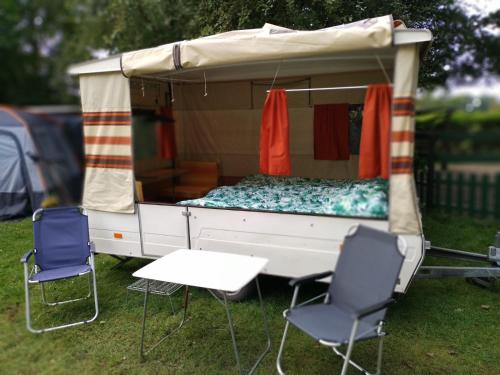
(239,295)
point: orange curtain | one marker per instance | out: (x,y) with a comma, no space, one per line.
(375,132)
(274,135)
(331,132)
(165,135)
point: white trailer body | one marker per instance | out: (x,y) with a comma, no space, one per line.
(295,244)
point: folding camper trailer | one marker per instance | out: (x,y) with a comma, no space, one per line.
(216,87)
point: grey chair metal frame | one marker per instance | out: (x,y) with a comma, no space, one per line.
(35,269)
(356,316)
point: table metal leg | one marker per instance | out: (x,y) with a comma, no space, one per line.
(233,337)
(144,352)
(266,328)
(146,292)
(186,300)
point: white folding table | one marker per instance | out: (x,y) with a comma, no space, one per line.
(210,270)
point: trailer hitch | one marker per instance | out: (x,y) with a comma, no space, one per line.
(482,275)
(494,251)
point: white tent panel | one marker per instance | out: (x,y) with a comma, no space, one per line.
(109,178)
(404,214)
(215,128)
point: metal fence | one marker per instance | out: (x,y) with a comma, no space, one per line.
(476,195)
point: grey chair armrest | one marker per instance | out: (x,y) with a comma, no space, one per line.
(373,308)
(309,278)
(92,247)
(25,257)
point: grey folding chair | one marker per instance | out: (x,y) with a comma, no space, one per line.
(62,250)
(355,304)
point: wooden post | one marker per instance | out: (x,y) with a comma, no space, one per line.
(430,172)
(472,195)
(416,175)
(449,192)
(437,183)
(497,196)
(485,184)
(460,193)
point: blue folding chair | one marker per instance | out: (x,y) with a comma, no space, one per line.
(62,250)
(355,304)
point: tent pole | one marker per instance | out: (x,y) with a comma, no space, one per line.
(326,88)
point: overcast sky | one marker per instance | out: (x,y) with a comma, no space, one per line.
(480,6)
(480,88)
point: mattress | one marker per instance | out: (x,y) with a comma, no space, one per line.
(355,198)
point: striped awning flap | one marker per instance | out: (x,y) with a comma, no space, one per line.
(404,216)
(107,125)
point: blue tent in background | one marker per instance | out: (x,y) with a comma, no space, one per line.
(36,161)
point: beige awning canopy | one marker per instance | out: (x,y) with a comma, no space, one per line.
(256,54)
(258,45)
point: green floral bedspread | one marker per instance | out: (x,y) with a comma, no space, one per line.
(365,198)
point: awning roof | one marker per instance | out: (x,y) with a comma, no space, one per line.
(256,53)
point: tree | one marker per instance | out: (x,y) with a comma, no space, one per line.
(39,38)
(462,49)
(30,39)
(463,55)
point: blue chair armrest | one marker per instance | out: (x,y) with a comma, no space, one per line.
(26,256)
(309,278)
(373,308)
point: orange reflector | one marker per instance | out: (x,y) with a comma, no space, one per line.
(118,235)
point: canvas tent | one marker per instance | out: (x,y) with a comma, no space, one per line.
(371,50)
(67,118)
(35,161)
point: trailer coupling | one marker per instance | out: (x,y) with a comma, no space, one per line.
(483,275)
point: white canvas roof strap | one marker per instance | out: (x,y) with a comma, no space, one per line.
(377,57)
(275,76)
(172,92)
(205,83)
(383,69)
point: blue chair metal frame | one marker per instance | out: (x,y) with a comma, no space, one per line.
(62,250)
(359,293)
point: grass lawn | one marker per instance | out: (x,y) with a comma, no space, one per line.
(438,327)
